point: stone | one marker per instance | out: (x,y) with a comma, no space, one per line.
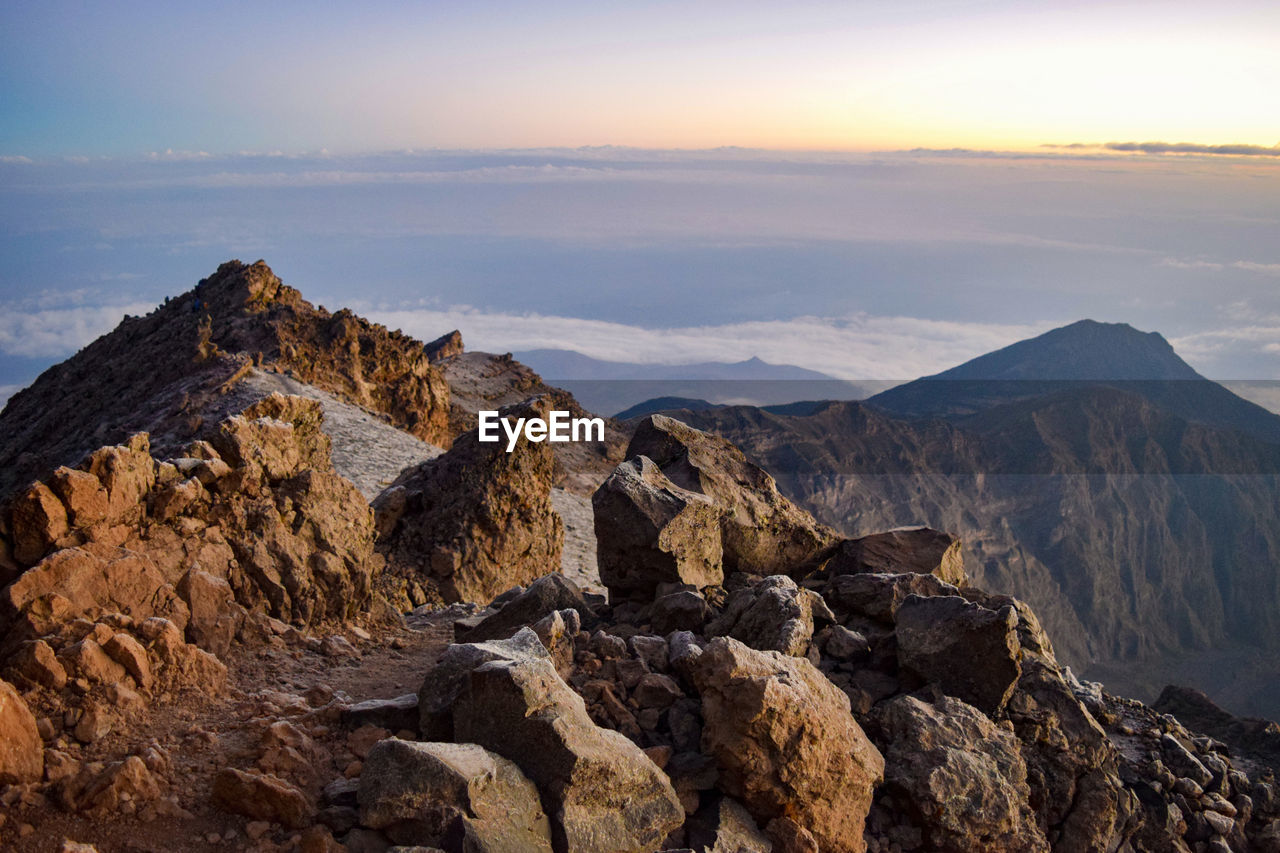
(82,494)
(651,532)
(843,644)
(773,614)
(211,601)
(762,532)
(21,750)
(920,550)
(724,826)
(785,742)
(394,715)
(261,796)
(476,520)
(937,632)
(442,685)
(88,660)
(120,782)
(878,597)
(679,611)
(604,793)
(544,596)
(556,635)
(790,837)
(962,775)
(129,653)
(38,520)
(36,663)
(657,691)
(94,724)
(441,793)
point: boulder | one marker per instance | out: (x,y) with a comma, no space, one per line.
(679,611)
(214,612)
(786,742)
(935,634)
(650,531)
(773,614)
(38,521)
(604,793)
(477,520)
(82,494)
(878,597)
(396,715)
(543,597)
(920,550)
(961,776)
(21,750)
(453,796)
(762,532)
(261,796)
(442,685)
(36,663)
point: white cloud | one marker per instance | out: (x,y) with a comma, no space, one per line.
(860,346)
(58,332)
(7,391)
(1218,266)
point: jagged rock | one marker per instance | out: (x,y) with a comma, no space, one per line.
(650,531)
(123,781)
(87,660)
(82,494)
(396,715)
(446,346)
(921,550)
(544,596)
(786,742)
(261,796)
(772,615)
(476,520)
(878,597)
(762,532)
(38,521)
(556,632)
(36,662)
(129,653)
(21,750)
(214,613)
(935,633)
(963,776)
(604,792)
(442,685)
(724,826)
(842,644)
(443,793)
(679,611)
(790,837)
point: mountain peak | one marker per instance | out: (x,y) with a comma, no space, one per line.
(1086,350)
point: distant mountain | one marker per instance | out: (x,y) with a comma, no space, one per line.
(1085,353)
(615,386)
(665,404)
(1138,512)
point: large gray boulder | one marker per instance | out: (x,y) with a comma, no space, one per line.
(604,793)
(443,684)
(455,796)
(920,550)
(650,532)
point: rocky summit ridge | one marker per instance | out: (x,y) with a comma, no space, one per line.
(226,646)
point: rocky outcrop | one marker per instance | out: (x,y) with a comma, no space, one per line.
(651,532)
(169,368)
(21,749)
(772,615)
(477,520)
(786,743)
(762,532)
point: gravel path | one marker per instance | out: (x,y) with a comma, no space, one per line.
(578,562)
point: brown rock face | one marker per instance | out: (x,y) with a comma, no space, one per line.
(649,531)
(908,549)
(963,775)
(772,615)
(271,527)
(443,792)
(261,796)
(786,742)
(477,520)
(21,750)
(934,633)
(607,795)
(763,533)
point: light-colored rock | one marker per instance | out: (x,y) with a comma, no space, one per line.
(261,796)
(420,792)
(920,550)
(786,742)
(21,750)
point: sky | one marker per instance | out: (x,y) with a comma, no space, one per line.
(874,190)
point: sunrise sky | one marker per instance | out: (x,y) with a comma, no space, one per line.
(655,181)
(221,77)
